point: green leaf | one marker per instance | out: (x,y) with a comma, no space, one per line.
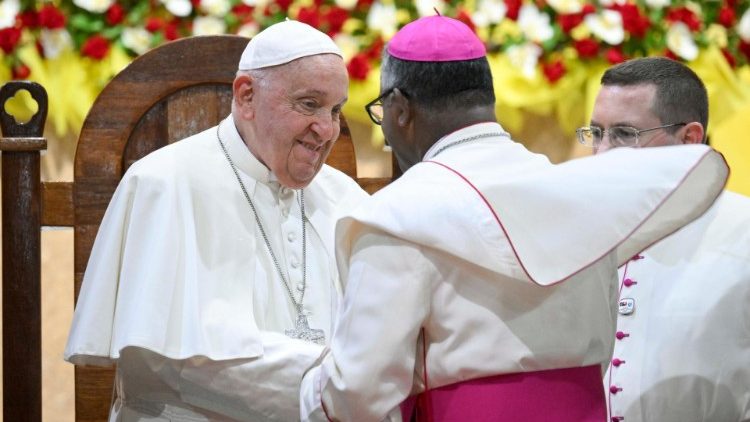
(86,23)
(138,13)
(112,33)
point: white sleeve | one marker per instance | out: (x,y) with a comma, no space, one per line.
(260,389)
(369,369)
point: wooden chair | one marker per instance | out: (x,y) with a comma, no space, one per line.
(171,92)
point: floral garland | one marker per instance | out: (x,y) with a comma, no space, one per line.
(551,47)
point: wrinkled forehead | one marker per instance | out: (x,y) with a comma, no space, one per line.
(321,75)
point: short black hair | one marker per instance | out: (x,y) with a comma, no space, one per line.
(441,86)
(680,94)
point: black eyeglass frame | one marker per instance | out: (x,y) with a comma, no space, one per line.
(580,130)
(381,97)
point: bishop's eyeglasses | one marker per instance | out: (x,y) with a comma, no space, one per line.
(375,107)
(619,136)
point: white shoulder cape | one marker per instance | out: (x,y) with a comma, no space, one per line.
(496,205)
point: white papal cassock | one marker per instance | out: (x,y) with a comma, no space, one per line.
(471,247)
(182,294)
(682,348)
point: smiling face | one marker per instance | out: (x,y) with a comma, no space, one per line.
(289,115)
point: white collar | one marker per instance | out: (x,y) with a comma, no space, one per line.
(242,156)
(467,132)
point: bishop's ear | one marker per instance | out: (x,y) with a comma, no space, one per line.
(401,108)
(243,91)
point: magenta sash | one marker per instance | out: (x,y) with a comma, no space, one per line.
(562,395)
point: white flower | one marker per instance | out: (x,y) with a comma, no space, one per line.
(256,3)
(525,58)
(346,4)
(248,30)
(566,6)
(607,3)
(680,41)
(658,4)
(382,17)
(94,6)
(218,8)
(8,11)
(607,26)
(534,24)
(179,8)
(743,27)
(209,25)
(54,41)
(489,12)
(136,39)
(348,45)
(427,7)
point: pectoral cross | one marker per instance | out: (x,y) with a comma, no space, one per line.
(302,331)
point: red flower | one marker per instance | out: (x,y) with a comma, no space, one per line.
(51,17)
(195,3)
(464,17)
(95,47)
(284,4)
(115,14)
(726,16)
(243,12)
(614,55)
(28,19)
(670,55)
(170,31)
(686,16)
(310,16)
(554,70)
(514,6)
(632,19)
(375,49)
(569,21)
(20,71)
(9,38)
(745,49)
(586,48)
(730,58)
(153,24)
(39,48)
(358,67)
(335,17)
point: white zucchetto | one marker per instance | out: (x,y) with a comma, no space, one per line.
(283,42)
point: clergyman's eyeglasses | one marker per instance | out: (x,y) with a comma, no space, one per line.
(619,136)
(375,107)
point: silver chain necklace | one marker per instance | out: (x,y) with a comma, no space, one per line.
(469,139)
(302,328)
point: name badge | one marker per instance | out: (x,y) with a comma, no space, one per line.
(626,306)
